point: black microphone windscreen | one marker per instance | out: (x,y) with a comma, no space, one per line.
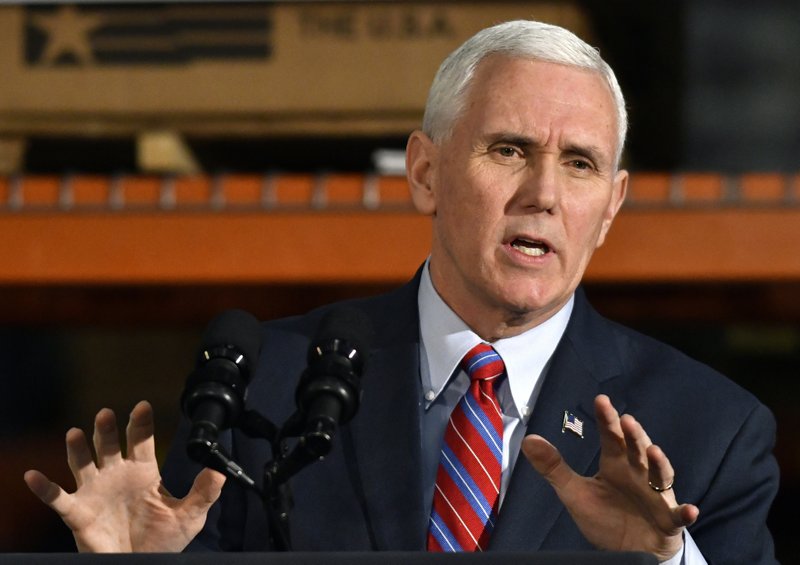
(347,324)
(234,328)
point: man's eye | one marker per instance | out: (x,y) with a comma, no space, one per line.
(507,151)
(581,165)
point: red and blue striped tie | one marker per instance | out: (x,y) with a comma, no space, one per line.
(467,493)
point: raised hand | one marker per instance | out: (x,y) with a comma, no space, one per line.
(120,504)
(630,504)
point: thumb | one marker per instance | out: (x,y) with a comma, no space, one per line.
(204,492)
(48,492)
(547,461)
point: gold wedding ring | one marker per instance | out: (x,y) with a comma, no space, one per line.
(661,489)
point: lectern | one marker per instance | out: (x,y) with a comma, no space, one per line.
(341,558)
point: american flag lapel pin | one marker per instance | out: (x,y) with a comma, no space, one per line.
(572,423)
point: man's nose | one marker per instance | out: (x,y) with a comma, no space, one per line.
(538,190)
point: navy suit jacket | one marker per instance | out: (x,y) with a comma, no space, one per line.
(367,494)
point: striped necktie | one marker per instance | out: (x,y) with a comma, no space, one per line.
(467,493)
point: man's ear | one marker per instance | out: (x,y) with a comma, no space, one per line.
(421,158)
(619,189)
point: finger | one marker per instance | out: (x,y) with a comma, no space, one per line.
(205,491)
(677,518)
(612,440)
(660,473)
(48,492)
(687,515)
(141,442)
(79,457)
(106,438)
(547,461)
(636,442)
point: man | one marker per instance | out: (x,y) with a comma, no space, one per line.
(518,166)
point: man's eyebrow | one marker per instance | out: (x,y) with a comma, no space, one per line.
(511,138)
(591,152)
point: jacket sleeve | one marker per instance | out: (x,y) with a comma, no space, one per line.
(732,526)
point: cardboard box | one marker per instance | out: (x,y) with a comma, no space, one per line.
(249,68)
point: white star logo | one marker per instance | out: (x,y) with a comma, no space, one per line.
(67,32)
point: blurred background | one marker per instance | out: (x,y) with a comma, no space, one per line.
(161,162)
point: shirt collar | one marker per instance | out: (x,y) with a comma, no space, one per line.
(446,339)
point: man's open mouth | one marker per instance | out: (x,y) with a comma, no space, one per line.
(532,248)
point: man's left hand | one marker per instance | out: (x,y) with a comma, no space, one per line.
(629,505)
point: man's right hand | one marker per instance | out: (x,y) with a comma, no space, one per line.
(120,504)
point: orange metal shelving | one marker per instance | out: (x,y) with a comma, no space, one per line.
(355,228)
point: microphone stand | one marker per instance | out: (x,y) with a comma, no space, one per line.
(313,443)
(327,395)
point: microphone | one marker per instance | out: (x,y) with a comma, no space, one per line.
(215,392)
(329,391)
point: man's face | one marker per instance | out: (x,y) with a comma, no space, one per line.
(522,192)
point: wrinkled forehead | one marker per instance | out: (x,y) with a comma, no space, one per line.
(498,75)
(500,72)
(528,88)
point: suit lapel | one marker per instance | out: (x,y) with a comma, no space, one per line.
(386,432)
(583,366)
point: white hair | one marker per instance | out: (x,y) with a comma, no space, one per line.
(520,39)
